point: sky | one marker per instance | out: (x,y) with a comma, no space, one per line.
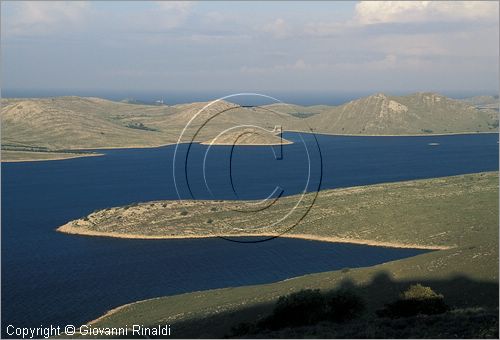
(228,47)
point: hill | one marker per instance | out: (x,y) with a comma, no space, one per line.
(77,123)
(458,212)
(483,102)
(248,136)
(419,113)
(72,123)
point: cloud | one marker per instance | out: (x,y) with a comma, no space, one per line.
(379,12)
(325,29)
(157,16)
(36,18)
(43,17)
(278,28)
(170,14)
(299,65)
(171,44)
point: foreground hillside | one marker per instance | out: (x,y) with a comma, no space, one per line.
(459,213)
(69,123)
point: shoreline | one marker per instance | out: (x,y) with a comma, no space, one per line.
(68,229)
(117,309)
(246,144)
(397,135)
(205,143)
(72,156)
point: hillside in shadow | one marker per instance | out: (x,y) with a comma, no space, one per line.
(473,313)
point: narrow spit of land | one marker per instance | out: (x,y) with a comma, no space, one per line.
(29,156)
(413,214)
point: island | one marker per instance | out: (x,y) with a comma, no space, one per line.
(249,136)
(32,127)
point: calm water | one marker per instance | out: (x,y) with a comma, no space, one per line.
(48,277)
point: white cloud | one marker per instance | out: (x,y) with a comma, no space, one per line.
(376,12)
(171,14)
(35,18)
(42,17)
(278,28)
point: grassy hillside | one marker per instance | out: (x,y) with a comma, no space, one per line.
(248,136)
(75,123)
(413,114)
(68,123)
(460,212)
(441,212)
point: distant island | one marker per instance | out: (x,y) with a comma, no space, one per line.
(49,128)
(248,136)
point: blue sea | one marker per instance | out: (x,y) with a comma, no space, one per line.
(54,278)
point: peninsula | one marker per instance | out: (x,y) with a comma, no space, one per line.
(357,215)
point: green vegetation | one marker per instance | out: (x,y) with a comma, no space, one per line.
(304,308)
(459,212)
(139,126)
(311,307)
(459,323)
(415,301)
(303,114)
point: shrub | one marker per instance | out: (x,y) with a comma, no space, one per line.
(242,329)
(209,221)
(303,308)
(419,292)
(415,300)
(184,213)
(344,306)
(308,307)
